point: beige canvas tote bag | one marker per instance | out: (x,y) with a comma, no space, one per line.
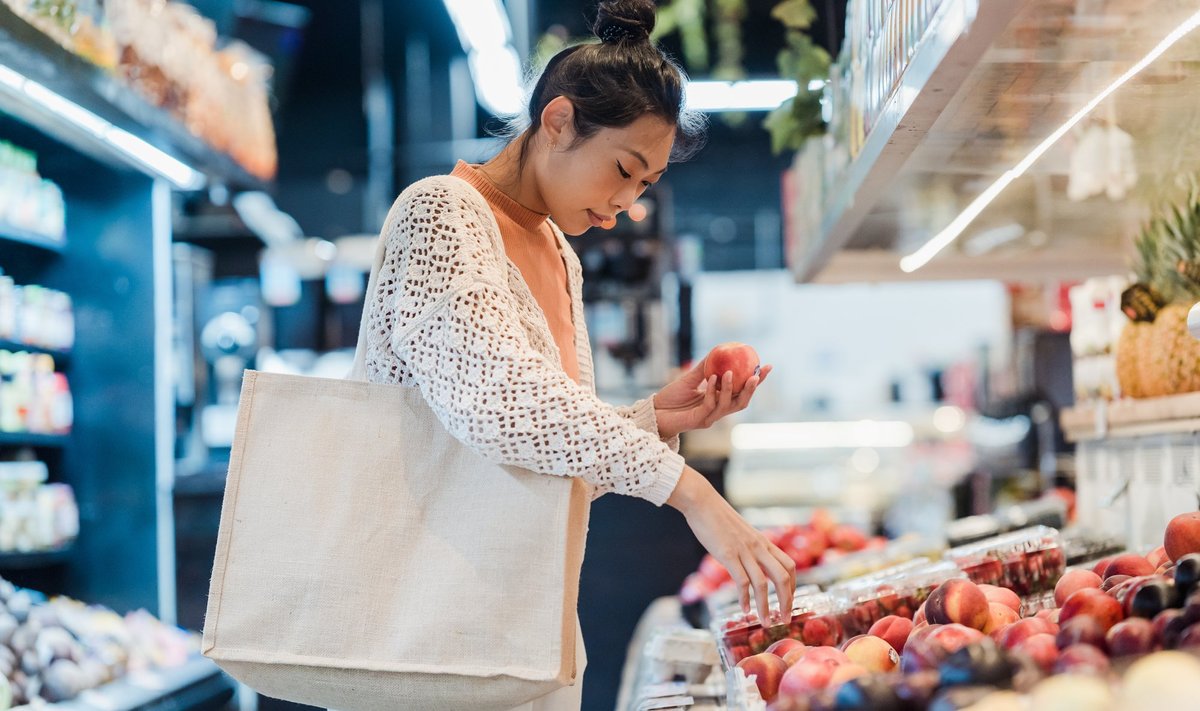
(368,561)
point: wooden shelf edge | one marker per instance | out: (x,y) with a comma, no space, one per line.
(1132,417)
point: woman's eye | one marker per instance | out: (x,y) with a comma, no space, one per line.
(646,183)
(622,169)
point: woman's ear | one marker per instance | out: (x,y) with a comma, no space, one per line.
(558,121)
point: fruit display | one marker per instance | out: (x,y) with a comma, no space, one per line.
(907,550)
(1123,632)
(899,592)
(743,634)
(819,541)
(1027,562)
(52,651)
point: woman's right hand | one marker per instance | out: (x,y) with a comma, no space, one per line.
(750,558)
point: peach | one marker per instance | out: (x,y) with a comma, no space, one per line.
(1041,648)
(828,655)
(1081,630)
(767,670)
(738,358)
(919,616)
(958,601)
(894,630)
(1004,596)
(783,646)
(872,653)
(1183,535)
(795,655)
(821,631)
(1101,564)
(847,538)
(1074,580)
(1050,616)
(1081,659)
(1114,581)
(1128,564)
(806,676)
(1130,637)
(1017,632)
(1000,616)
(1095,604)
(1158,557)
(845,672)
(953,637)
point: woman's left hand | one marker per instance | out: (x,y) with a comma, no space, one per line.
(691,403)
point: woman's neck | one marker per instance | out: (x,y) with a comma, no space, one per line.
(505,173)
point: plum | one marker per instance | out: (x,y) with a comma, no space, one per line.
(982,662)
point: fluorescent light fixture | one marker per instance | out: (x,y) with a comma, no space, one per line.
(823,435)
(717,96)
(949,419)
(496,72)
(481,24)
(921,257)
(132,148)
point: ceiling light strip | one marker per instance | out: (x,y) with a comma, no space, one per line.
(921,257)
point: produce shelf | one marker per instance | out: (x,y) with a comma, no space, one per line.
(34,559)
(29,55)
(1132,417)
(60,357)
(196,686)
(29,439)
(16,235)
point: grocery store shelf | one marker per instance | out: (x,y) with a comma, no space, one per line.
(60,357)
(34,559)
(955,41)
(15,235)
(195,686)
(28,55)
(30,439)
(1132,417)
(973,104)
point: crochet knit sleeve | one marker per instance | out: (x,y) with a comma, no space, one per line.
(642,414)
(455,328)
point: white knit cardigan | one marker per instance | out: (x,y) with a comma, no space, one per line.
(452,316)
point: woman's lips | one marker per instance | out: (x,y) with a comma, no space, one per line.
(597,220)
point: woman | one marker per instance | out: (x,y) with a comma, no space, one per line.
(478,300)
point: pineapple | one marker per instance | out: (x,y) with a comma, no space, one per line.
(1174,365)
(1129,355)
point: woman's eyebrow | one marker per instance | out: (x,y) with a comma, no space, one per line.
(645,162)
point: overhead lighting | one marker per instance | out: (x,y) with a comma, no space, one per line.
(718,96)
(481,24)
(823,435)
(133,149)
(921,257)
(496,72)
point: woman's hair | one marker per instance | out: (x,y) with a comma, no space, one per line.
(614,82)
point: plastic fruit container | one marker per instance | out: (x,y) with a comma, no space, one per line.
(741,635)
(681,653)
(1028,561)
(862,602)
(1082,546)
(854,565)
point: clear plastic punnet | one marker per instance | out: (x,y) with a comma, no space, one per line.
(854,565)
(864,601)
(1028,561)
(741,635)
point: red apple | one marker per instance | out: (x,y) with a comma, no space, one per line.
(767,670)
(1092,602)
(736,357)
(894,630)
(1183,535)
(1074,580)
(1004,596)
(960,601)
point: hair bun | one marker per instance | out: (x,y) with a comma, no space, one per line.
(624,21)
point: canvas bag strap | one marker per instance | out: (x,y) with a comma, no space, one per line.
(359,370)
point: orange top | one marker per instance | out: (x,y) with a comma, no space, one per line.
(530,243)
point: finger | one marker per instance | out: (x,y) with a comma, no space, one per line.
(710,393)
(785,589)
(743,398)
(774,571)
(763,373)
(726,391)
(758,583)
(742,583)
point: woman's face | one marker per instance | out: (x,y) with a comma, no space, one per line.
(603,175)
